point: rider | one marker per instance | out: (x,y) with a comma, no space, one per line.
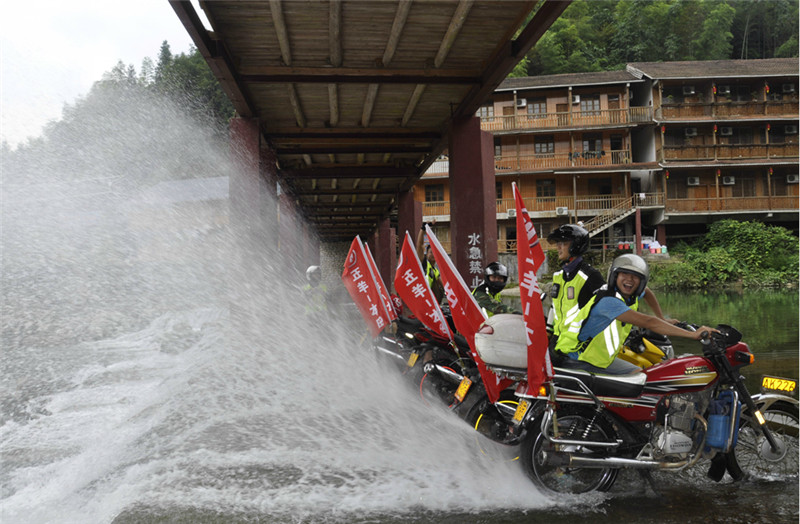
(575,283)
(315,293)
(595,337)
(487,294)
(578,281)
(428,262)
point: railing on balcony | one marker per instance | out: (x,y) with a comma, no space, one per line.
(598,117)
(560,160)
(732,204)
(728,151)
(726,109)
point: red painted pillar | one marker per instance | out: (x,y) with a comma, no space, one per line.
(384,252)
(409,216)
(473,206)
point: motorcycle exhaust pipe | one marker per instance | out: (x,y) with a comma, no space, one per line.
(443,372)
(390,353)
(568,460)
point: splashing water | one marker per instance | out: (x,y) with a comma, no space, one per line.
(129,386)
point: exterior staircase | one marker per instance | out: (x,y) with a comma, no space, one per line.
(609,217)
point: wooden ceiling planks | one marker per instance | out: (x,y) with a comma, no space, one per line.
(355,84)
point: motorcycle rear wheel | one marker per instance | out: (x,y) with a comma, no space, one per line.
(575,423)
(753,457)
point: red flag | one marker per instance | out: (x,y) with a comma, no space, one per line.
(359,282)
(540,368)
(467,315)
(523,220)
(412,286)
(387,299)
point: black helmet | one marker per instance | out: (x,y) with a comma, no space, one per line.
(629,264)
(495,268)
(571,233)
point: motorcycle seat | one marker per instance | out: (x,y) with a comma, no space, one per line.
(629,385)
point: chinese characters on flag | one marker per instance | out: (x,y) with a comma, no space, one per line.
(360,282)
(467,315)
(529,258)
(385,296)
(412,286)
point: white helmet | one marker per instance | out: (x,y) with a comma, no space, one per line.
(313,273)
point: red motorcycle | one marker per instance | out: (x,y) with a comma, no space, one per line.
(583,428)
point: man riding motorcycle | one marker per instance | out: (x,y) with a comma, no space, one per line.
(487,294)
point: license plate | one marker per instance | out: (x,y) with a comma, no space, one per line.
(463,387)
(522,407)
(412,359)
(784,385)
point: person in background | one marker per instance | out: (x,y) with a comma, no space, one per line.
(428,262)
(594,338)
(487,294)
(315,293)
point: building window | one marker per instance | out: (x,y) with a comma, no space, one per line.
(486,113)
(537,108)
(498,189)
(592,142)
(498,146)
(544,145)
(590,105)
(434,193)
(546,188)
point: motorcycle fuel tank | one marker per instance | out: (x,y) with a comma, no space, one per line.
(687,373)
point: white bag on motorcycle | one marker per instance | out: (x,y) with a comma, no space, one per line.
(506,346)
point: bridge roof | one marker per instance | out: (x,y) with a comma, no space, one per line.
(357,98)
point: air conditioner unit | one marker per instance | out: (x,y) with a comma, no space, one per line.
(693,181)
(726,131)
(690,131)
(790,130)
(728,180)
(792,179)
(562,211)
(787,88)
(512,213)
(522,102)
(688,90)
(576,99)
(724,90)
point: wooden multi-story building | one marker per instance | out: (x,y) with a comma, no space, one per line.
(685,143)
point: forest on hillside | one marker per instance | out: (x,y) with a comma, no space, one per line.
(594,35)
(604,35)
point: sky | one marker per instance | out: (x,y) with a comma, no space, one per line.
(52,51)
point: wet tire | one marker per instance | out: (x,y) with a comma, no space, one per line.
(753,456)
(574,423)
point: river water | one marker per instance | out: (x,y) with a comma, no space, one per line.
(132,392)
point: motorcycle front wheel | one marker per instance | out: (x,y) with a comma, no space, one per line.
(753,457)
(574,423)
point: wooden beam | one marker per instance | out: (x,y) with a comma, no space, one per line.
(218,59)
(350,172)
(280,31)
(335,45)
(338,148)
(346,75)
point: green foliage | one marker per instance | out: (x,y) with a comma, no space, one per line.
(751,253)
(607,34)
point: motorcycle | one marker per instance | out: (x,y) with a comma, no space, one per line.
(441,369)
(582,428)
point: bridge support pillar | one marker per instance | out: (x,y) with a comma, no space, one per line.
(409,216)
(473,207)
(382,245)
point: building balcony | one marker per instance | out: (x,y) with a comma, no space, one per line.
(710,204)
(727,110)
(515,163)
(565,120)
(723,152)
